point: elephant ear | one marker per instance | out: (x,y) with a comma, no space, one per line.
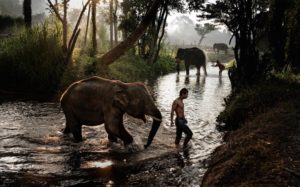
(120,98)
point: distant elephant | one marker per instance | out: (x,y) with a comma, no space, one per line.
(191,56)
(220,47)
(96,100)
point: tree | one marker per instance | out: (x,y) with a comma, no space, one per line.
(278,31)
(121,48)
(204,30)
(240,17)
(27,13)
(293,35)
(111,24)
(87,26)
(68,47)
(94,27)
(149,43)
(115,20)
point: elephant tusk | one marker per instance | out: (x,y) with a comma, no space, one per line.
(156,119)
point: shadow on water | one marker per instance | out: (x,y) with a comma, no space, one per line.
(34,152)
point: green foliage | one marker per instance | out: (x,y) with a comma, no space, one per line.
(224,58)
(129,68)
(204,30)
(32,61)
(249,101)
(82,67)
(286,74)
(133,68)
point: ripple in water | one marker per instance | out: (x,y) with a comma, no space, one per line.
(33,147)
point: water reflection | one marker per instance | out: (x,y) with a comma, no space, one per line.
(31,140)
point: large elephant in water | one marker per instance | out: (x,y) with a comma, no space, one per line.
(96,100)
(191,56)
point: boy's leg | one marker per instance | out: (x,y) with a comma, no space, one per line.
(178,134)
(178,131)
(188,133)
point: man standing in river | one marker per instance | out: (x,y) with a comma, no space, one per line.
(180,121)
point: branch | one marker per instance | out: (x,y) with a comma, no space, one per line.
(55,10)
(71,47)
(78,22)
(120,49)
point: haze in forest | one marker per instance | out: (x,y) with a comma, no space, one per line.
(179,31)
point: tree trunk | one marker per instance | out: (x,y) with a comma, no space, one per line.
(116,22)
(94,32)
(160,38)
(201,39)
(87,26)
(121,48)
(27,13)
(111,24)
(65,26)
(161,24)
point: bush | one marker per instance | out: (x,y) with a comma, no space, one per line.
(133,68)
(33,60)
(250,101)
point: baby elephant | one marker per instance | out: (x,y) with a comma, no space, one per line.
(96,100)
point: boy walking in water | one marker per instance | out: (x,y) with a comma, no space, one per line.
(221,67)
(180,121)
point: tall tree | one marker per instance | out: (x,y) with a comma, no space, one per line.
(27,13)
(87,26)
(149,43)
(278,31)
(204,30)
(111,23)
(94,27)
(240,17)
(129,42)
(115,16)
(68,46)
(293,38)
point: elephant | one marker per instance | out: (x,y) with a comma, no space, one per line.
(220,47)
(191,56)
(96,100)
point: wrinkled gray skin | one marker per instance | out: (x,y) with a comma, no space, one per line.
(96,100)
(220,47)
(191,56)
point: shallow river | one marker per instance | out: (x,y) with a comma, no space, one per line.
(34,152)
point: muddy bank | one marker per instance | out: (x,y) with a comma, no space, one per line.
(265,149)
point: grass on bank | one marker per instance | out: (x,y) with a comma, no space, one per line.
(128,68)
(31,60)
(250,101)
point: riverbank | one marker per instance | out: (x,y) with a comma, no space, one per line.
(263,148)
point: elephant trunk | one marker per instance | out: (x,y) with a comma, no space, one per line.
(155,125)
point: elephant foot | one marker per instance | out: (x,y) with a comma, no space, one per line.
(133,147)
(66,130)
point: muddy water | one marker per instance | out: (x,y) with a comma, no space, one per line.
(34,152)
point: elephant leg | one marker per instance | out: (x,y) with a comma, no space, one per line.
(73,126)
(67,129)
(187,69)
(204,68)
(115,128)
(198,70)
(112,138)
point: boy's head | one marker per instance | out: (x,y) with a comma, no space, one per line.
(183,93)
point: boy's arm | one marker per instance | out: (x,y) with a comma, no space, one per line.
(172,112)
